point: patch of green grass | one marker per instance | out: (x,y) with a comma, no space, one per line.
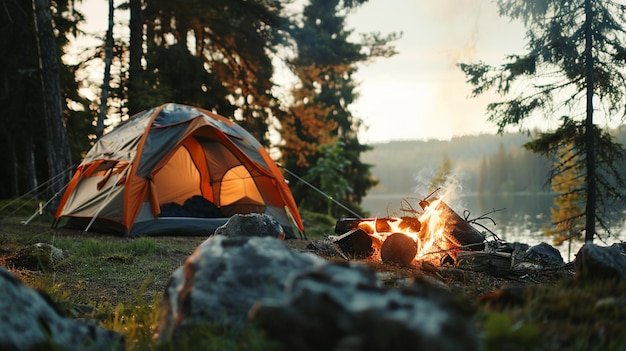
(571,315)
(500,332)
(215,337)
(318,225)
(138,321)
(99,268)
(24,209)
(113,276)
(102,246)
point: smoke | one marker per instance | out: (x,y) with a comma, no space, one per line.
(451,191)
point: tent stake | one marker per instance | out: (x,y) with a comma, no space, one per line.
(41,208)
(36,190)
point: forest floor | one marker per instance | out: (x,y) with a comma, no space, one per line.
(549,310)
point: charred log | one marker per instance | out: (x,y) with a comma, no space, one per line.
(496,264)
(380,225)
(344,225)
(356,243)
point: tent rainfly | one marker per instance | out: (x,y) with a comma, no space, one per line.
(175,170)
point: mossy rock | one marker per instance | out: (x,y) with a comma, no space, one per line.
(37,257)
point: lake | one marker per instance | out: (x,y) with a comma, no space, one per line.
(516,217)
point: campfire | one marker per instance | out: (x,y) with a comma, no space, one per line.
(435,234)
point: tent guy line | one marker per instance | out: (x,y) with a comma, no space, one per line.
(321,192)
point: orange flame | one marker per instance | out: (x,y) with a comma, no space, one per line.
(430,233)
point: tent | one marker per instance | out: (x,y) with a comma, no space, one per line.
(175,170)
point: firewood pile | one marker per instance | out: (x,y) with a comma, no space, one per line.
(440,237)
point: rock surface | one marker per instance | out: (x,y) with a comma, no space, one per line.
(306,302)
(344,307)
(223,278)
(30,322)
(253,224)
(544,254)
(593,261)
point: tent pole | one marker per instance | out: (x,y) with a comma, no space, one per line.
(323,193)
(93,219)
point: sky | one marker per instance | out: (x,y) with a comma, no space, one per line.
(419,93)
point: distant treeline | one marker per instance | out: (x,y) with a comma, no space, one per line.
(480,163)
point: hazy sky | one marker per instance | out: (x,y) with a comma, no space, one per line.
(419,93)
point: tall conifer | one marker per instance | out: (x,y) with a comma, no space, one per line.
(574,67)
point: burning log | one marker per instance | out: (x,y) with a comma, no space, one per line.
(381,225)
(439,233)
(457,229)
(410,224)
(398,248)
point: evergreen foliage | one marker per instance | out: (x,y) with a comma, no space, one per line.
(567,213)
(331,172)
(576,57)
(566,146)
(218,55)
(320,116)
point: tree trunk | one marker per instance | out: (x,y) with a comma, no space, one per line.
(59,156)
(30,170)
(589,129)
(12,153)
(136,54)
(108,59)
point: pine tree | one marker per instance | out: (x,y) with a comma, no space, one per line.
(215,54)
(576,58)
(320,117)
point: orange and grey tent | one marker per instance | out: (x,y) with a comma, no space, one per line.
(164,158)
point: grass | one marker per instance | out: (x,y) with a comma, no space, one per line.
(113,281)
(118,283)
(569,315)
(318,225)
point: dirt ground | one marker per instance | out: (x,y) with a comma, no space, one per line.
(115,274)
(544,310)
(96,268)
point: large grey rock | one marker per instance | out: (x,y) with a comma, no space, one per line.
(593,261)
(30,322)
(223,278)
(343,307)
(305,302)
(253,224)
